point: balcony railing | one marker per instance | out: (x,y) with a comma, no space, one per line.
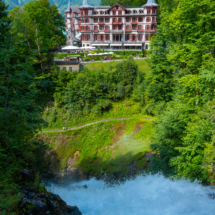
(128,30)
(133,22)
(154,22)
(96,30)
(150,30)
(79,22)
(140,30)
(84,30)
(101,23)
(117,23)
(117,29)
(106,30)
(133,40)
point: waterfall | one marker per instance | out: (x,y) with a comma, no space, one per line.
(145,195)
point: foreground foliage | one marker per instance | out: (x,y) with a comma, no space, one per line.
(22,81)
(182,62)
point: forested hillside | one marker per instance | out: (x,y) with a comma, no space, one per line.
(61,4)
(25,87)
(181,90)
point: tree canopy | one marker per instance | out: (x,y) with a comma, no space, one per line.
(182,61)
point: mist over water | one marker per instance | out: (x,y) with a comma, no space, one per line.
(145,195)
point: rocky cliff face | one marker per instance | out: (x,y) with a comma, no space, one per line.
(36,203)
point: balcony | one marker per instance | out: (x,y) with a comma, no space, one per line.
(106,30)
(84,30)
(154,22)
(96,30)
(79,22)
(140,30)
(128,30)
(117,23)
(101,23)
(133,22)
(150,30)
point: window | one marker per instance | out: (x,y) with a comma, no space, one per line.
(154,11)
(101,12)
(87,28)
(95,27)
(148,19)
(147,46)
(64,67)
(70,69)
(133,19)
(107,37)
(147,27)
(127,19)
(148,11)
(106,20)
(134,27)
(101,27)
(120,27)
(127,27)
(127,36)
(134,11)
(114,12)
(140,19)
(140,27)
(88,37)
(139,37)
(95,20)
(101,20)
(86,13)
(140,11)
(95,37)
(119,12)
(119,20)
(114,27)
(106,27)
(147,37)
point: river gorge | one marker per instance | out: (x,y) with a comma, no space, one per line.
(145,195)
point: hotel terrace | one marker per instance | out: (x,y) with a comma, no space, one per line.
(112,28)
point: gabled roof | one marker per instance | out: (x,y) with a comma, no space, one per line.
(75,9)
(101,7)
(117,5)
(150,3)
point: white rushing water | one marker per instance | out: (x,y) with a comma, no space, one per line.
(149,195)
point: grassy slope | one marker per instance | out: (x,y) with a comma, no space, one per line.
(142,64)
(59,119)
(105,147)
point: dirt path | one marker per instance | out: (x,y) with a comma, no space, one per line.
(93,123)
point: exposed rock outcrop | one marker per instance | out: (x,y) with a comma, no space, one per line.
(36,203)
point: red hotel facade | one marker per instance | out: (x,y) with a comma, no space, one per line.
(113,27)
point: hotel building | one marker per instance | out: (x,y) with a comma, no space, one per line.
(116,27)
